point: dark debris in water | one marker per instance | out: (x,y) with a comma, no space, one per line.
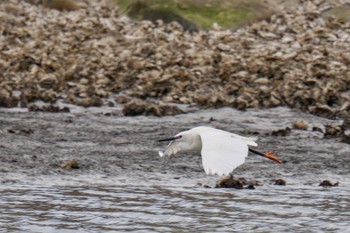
(23,131)
(280,182)
(282,132)
(71,164)
(328,183)
(317,129)
(47,108)
(239,183)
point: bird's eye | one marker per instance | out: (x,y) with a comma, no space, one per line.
(178,137)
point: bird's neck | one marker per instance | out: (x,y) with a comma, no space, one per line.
(195,144)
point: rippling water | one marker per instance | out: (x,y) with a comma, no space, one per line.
(113,208)
(123,186)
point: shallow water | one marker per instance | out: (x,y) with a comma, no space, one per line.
(156,208)
(123,186)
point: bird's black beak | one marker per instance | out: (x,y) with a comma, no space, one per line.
(167,139)
(170,139)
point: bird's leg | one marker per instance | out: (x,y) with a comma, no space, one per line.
(268,155)
(260,153)
(271,152)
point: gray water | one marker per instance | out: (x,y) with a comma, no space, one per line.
(123,186)
(159,208)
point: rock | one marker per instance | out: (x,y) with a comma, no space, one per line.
(341,13)
(300,124)
(280,182)
(240,183)
(327,183)
(138,107)
(93,101)
(7,99)
(345,137)
(322,110)
(229,182)
(11,131)
(70,164)
(47,108)
(25,131)
(332,130)
(317,129)
(282,132)
(294,58)
(48,81)
(250,186)
(122,99)
(346,123)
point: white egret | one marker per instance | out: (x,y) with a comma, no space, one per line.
(221,151)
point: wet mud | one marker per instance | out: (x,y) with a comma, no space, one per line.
(36,145)
(93,170)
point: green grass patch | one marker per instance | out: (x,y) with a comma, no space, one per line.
(227,13)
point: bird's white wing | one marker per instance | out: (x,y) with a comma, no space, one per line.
(221,153)
(172,148)
(249,140)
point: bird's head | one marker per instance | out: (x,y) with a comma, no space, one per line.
(184,141)
(185,136)
(177,137)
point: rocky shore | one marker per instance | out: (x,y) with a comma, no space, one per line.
(92,56)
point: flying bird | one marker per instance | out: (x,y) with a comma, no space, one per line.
(221,151)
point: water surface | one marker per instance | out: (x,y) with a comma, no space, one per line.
(123,186)
(158,208)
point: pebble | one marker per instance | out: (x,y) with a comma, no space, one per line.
(300,124)
(70,164)
(328,183)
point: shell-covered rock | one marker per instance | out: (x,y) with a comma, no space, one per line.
(300,124)
(139,107)
(297,58)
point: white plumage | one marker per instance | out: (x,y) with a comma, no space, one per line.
(221,151)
